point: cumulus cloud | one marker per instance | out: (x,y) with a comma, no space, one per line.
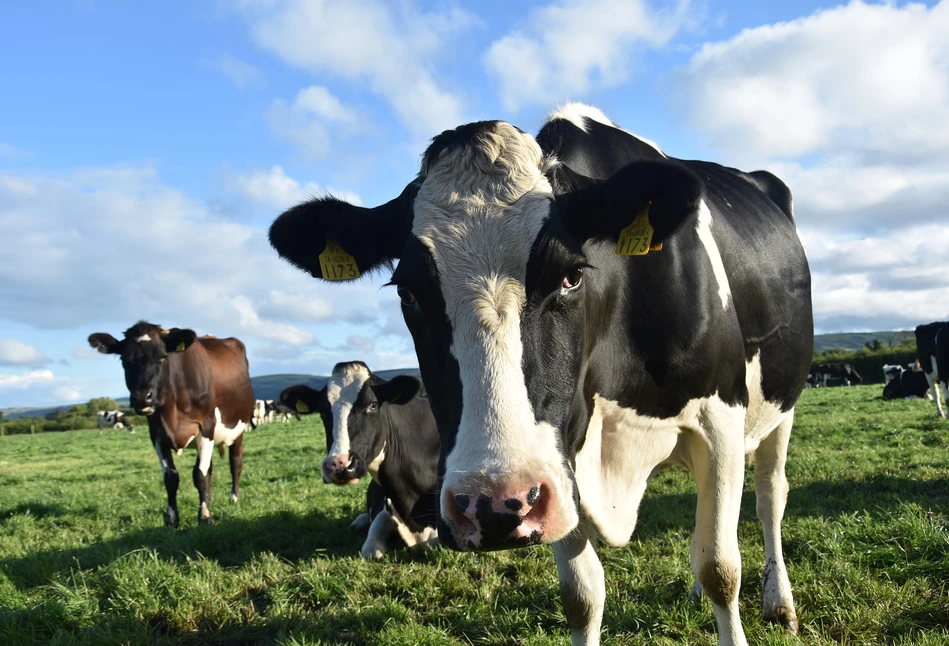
(360,343)
(308,120)
(388,46)
(241,73)
(842,105)
(274,188)
(37,387)
(117,244)
(872,78)
(570,47)
(18,353)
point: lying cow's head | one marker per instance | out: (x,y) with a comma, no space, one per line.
(144,352)
(351,408)
(501,300)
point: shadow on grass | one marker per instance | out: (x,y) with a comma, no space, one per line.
(664,512)
(230,542)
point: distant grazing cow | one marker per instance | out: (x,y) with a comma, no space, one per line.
(278,411)
(827,371)
(932,346)
(585,310)
(385,429)
(908,385)
(891,372)
(113,419)
(192,390)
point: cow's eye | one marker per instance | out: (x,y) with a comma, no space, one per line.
(572,279)
(408,298)
(372,407)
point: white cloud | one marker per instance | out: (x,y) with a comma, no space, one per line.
(241,73)
(115,244)
(872,78)
(26,380)
(392,47)
(307,122)
(38,387)
(360,343)
(18,353)
(297,307)
(274,188)
(87,353)
(570,47)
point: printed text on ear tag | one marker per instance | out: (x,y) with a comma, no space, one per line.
(635,240)
(180,347)
(301,407)
(336,264)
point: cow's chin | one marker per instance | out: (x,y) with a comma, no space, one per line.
(146,411)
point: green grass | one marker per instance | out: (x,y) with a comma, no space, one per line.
(84,558)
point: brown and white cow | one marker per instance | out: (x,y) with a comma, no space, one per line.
(192,390)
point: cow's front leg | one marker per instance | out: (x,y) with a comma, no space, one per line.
(170,477)
(236,455)
(375,546)
(718,462)
(202,476)
(582,587)
(771,493)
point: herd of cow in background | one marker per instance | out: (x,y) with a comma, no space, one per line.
(718,385)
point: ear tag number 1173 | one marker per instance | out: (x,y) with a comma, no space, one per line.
(635,240)
(336,264)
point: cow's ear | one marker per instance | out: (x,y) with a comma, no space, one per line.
(105,343)
(665,192)
(178,340)
(352,240)
(398,390)
(304,399)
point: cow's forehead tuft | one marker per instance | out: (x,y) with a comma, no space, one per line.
(142,329)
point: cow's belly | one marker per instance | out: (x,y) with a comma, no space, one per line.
(224,434)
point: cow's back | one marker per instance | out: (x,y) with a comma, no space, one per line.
(213,373)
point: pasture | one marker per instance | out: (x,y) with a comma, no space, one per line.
(84,557)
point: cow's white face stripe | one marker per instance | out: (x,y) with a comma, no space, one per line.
(341,392)
(703,226)
(144,338)
(480,224)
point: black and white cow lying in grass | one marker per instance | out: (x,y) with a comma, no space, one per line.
(113,419)
(386,430)
(907,384)
(585,310)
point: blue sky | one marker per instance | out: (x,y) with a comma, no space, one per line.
(145,148)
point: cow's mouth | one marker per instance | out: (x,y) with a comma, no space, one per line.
(145,410)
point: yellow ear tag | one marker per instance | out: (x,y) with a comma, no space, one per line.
(636,239)
(180,347)
(301,407)
(336,264)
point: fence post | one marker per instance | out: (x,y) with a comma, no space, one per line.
(32,430)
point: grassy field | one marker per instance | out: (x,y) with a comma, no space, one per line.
(84,558)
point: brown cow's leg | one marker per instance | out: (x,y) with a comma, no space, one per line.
(202,476)
(236,453)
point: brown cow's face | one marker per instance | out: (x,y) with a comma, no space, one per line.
(144,353)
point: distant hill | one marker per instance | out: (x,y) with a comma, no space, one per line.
(265,387)
(856,340)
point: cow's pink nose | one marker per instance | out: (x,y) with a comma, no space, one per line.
(338,469)
(501,519)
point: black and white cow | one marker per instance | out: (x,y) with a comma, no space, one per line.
(384,429)
(113,419)
(909,384)
(824,372)
(932,347)
(891,372)
(278,411)
(563,371)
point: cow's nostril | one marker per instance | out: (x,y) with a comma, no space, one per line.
(513,504)
(533,495)
(461,502)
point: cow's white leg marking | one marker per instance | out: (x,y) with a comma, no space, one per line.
(162,462)
(582,586)
(716,456)
(375,545)
(935,388)
(771,493)
(703,227)
(205,452)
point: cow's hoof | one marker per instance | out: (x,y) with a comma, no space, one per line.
(171,522)
(372,552)
(205,520)
(361,523)
(696,594)
(785,618)
(233,497)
